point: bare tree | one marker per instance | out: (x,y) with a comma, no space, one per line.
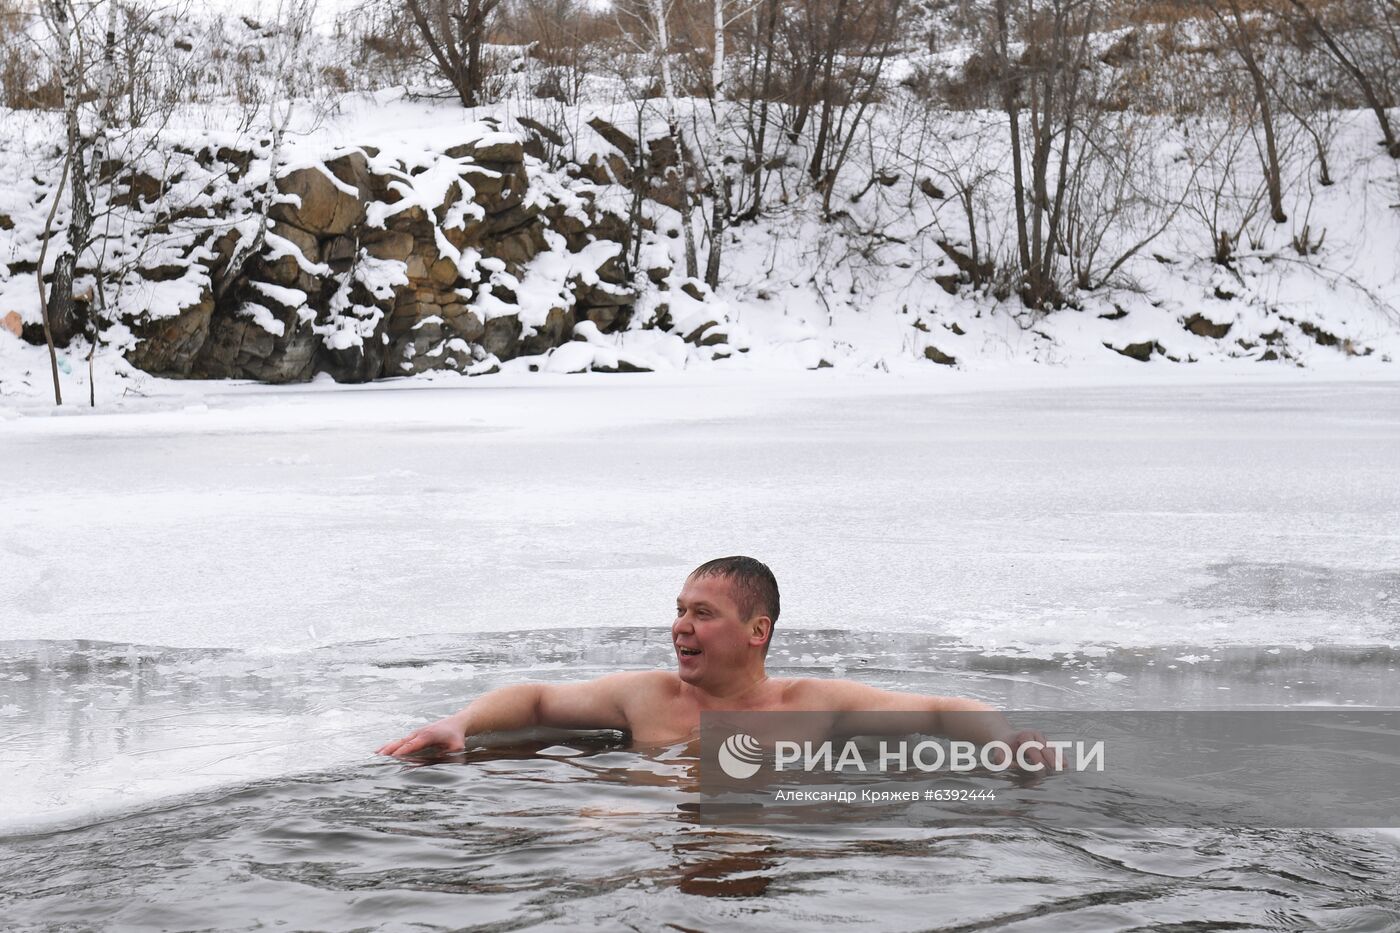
(723,15)
(85,157)
(1344,29)
(1121,196)
(838,55)
(60,308)
(563,37)
(1241,34)
(647,24)
(39,274)
(453,31)
(1224,198)
(289,50)
(762,45)
(1042,95)
(967,163)
(1309,96)
(101,58)
(24,82)
(388,45)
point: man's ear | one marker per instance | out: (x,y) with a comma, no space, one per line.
(761,627)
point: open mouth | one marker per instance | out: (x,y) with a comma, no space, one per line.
(688,652)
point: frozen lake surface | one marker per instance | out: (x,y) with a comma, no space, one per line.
(245,584)
(1039,518)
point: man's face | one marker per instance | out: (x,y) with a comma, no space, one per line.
(711,637)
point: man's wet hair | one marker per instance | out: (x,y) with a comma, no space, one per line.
(754,587)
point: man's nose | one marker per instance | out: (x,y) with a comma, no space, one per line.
(682,625)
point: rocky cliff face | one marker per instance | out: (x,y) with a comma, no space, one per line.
(373,267)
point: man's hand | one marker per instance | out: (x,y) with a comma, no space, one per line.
(447,734)
(1037,756)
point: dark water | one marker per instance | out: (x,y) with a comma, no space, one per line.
(584,833)
(596,840)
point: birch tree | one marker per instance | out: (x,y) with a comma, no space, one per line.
(660,11)
(58,308)
(94,142)
(296,20)
(85,155)
(723,16)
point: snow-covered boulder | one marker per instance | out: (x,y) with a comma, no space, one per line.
(326,199)
(380,265)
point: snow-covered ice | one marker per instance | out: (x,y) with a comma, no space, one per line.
(1049,516)
(248,535)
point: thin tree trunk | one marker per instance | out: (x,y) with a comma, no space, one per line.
(1273,175)
(1324,171)
(717,65)
(1354,71)
(102,174)
(720,208)
(61,306)
(770,34)
(109,72)
(639,185)
(668,87)
(1070,109)
(240,258)
(1013,114)
(865,97)
(965,193)
(39,273)
(828,67)
(444,53)
(472,26)
(1040,156)
(92,347)
(718,212)
(806,73)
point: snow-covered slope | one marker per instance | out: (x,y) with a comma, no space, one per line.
(875,279)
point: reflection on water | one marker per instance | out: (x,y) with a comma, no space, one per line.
(592,837)
(170,770)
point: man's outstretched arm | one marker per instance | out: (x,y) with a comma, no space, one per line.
(594,704)
(954,717)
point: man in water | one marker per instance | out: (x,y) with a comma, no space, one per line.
(724,623)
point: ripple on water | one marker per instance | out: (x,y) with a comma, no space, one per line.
(512,838)
(590,835)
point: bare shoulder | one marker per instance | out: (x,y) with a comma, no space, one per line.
(643,697)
